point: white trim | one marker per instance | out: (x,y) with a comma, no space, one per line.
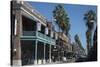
(50,54)
(15,28)
(44,61)
(35,62)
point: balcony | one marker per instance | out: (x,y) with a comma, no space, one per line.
(33,11)
(38,35)
(29,33)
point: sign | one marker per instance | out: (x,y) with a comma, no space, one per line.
(46,30)
(15,27)
(51,33)
(38,26)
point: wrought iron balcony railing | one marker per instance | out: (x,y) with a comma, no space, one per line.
(29,33)
(38,35)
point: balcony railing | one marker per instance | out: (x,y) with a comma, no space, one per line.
(29,33)
(38,35)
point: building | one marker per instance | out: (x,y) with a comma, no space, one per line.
(31,42)
(64,46)
(33,39)
(78,51)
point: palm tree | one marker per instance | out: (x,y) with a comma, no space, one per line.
(88,33)
(78,41)
(90,18)
(62,18)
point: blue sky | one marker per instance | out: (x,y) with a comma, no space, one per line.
(75,13)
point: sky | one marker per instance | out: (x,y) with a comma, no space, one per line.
(75,13)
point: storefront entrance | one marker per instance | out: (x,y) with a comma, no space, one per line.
(28,52)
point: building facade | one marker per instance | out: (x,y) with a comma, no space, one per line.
(78,51)
(31,41)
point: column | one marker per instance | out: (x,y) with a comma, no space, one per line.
(17,58)
(44,54)
(36,52)
(50,53)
